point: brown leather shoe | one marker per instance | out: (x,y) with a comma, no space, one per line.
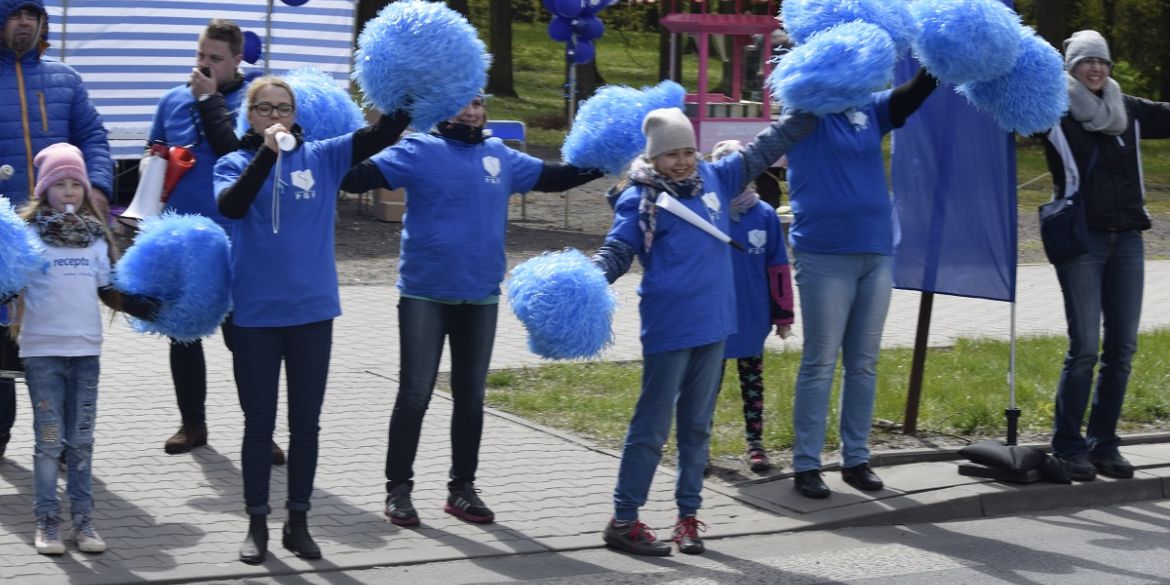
(277,454)
(186,438)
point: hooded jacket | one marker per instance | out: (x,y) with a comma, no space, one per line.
(45,103)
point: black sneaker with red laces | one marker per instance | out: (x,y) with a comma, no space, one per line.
(686,535)
(635,538)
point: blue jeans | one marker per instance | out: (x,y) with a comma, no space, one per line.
(1105,282)
(63,392)
(422,327)
(843,303)
(258,353)
(683,384)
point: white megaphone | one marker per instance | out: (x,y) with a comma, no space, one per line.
(148,202)
(286,141)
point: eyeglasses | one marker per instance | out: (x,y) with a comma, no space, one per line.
(266,109)
(1090,61)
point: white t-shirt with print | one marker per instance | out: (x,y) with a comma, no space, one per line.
(62,315)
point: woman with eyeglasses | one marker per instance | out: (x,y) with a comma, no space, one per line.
(1095,153)
(284,290)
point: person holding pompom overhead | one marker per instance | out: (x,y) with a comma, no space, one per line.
(688,309)
(1094,153)
(842,238)
(284,290)
(458,181)
(58,324)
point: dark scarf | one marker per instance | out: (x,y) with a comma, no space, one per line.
(67,230)
(460,132)
(652,183)
(252,140)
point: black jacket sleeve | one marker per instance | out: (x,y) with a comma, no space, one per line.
(141,306)
(362,177)
(234,201)
(907,98)
(218,124)
(556,177)
(613,258)
(1154,117)
(370,140)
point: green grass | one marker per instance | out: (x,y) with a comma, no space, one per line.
(964,392)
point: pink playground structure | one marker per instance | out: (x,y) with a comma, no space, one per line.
(717,116)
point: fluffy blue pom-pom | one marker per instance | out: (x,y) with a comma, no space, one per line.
(184,261)
(1033,96)
(565,303)
(607,131)
(835,70)
(324,109)
(422,57)
(805,18)
(971,40)
(20,250)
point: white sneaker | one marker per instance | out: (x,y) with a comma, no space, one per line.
(48,538)
(86,536)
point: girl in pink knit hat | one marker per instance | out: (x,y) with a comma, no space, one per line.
(57,322)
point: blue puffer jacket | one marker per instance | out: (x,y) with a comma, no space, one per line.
(54,108)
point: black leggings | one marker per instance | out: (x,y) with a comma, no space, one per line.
(9,360)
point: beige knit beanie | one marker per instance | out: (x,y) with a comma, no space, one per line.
(667,129)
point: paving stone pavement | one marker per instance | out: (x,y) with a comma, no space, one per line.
(180,518)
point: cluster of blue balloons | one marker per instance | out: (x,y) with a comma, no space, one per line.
(576,24)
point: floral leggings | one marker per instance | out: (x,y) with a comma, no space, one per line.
(751,387)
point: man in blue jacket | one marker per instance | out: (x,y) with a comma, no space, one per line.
(44,103)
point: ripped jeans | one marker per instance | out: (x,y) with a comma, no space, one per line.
(63,392)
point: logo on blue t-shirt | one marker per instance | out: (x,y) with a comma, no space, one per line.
(303,181)
(491,164)
(711,200)
(757,238)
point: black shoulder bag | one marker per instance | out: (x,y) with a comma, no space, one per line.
(1063,227)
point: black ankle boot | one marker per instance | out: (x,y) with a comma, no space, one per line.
(255,547)
(296,536)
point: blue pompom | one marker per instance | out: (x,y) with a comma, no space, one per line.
(565,303)
(835,70)
(324,109)
(805,18)
(20,250)
(422,57)
(184,261)
(961,42)
(607,131)
(1033,96)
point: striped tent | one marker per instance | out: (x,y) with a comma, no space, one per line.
(129,52)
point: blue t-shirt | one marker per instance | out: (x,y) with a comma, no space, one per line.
(456,212)
(283,268)
(177,123)
(758,229)
(687,290)
(837,182)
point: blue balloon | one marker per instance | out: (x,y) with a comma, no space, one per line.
(584,52)
(253,47)
(294,2)
(560,29)
(569,8)
(588,28)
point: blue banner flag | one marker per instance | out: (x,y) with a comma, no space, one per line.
(954,179)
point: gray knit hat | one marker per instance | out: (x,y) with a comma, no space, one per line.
(1085,44)
(667,129)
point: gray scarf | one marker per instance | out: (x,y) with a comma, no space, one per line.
(1097,113)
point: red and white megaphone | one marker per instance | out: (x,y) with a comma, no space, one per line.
(158,172)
